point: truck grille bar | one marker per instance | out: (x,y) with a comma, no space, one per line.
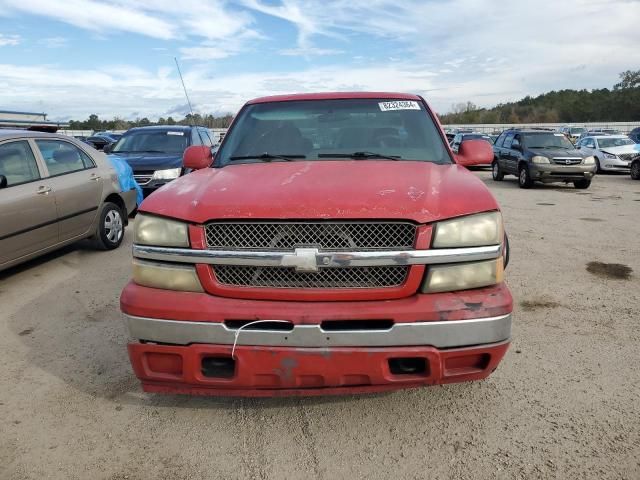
(334,278)
(329,236)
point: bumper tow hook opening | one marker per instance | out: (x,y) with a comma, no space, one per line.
(408,366)
(237,335)
(218,367)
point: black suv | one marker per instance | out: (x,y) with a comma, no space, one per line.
(155,153)
(540,155)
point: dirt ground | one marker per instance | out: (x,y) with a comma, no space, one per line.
(565,402)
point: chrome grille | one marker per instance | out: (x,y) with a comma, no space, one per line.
(567,160)
(143,177)
(628,156)
(321,235)
(326,278)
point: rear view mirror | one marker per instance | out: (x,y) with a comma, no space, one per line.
(474,152)
(197,157)
(108,148)
(3,181)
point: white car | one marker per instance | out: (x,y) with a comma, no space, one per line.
(612,152)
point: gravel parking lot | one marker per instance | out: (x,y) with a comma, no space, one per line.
(563,404)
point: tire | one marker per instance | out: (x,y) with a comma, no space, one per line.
(524,178)
(582,184)
(635,170)
(599,170)
(110,230)
(496,171)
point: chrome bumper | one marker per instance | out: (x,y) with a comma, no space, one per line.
(447,334)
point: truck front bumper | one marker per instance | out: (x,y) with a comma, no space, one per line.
(184,342)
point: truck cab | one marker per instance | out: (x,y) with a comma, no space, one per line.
(334,244)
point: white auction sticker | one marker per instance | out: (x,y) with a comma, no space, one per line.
(399,105)
(176,133)
(559,134)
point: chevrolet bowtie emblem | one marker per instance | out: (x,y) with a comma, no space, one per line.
(303,259)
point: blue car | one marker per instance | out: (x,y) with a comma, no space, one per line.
(155,153)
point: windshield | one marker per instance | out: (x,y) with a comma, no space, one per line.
(152,141)
(577,130)
(334,129)
(547,140)
(614,142)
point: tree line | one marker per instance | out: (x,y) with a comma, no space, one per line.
(96,124)
(620,104)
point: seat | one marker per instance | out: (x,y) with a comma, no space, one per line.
(15,167)
(353,138)
(65,160)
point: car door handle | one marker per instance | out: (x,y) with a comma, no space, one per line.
(43,190)
(94,177)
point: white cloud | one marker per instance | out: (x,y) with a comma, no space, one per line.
(310,52)
(9,40)
(479,50)
(54,42)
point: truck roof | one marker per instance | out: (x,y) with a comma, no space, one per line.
(334,96)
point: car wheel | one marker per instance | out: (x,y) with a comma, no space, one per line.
(599,170)
(496,171)
(524,178)
(582,184)
(635,170)
(110,229)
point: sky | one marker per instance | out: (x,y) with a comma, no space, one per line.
(115,58)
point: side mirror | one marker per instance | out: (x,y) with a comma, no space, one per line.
(474,152)
(3,181)
(197,157)
(108,148)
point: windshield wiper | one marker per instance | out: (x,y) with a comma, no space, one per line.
(267,157)
(359,155)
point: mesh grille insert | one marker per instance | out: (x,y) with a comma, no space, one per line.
(329,278)
(322,235)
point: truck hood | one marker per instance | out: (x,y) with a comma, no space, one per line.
(150,161)
(392,190)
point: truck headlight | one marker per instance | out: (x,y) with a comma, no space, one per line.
(168,276)
(158,231)
(471,231)
(590,160)
(463,276)
(540,159)
(169,174)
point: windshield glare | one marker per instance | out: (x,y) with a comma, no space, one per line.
(162,141)
(319,129)
(547,140)
(614,142)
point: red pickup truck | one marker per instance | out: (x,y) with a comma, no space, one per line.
(334,244)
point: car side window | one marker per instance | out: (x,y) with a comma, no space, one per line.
(17,163)
(516,141)
(508,139)
(195,137)
(500,139)
(205,137)
(63,157)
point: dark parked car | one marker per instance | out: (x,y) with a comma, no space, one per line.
(155,153)
(543,156)
(635,135)
(100,139)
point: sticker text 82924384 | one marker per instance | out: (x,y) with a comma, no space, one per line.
(399,105)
